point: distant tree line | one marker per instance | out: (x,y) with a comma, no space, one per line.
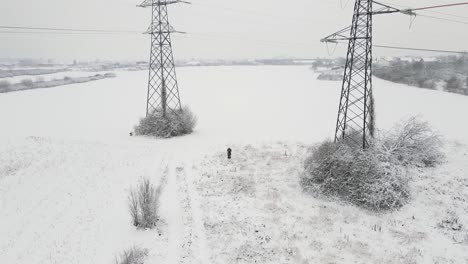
(28,84)
(22,72)
(446,73)
(328,63)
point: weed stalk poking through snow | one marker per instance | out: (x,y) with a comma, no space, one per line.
(134,255)
(144,205)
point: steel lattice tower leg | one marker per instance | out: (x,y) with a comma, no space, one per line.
(163,90)
(355,115)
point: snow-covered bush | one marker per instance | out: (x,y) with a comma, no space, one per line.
(364,177)
(330,77)
(5,86)
(414,143)
(375,177)
(454,83)
(144,205)
(110,75)
(175,123)
(27,83)
(134,255)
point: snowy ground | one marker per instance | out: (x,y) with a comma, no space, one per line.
(256,212)
(67,163)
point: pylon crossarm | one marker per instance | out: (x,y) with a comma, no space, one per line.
(384,9)
(156,31)
(148,3)
(337,36)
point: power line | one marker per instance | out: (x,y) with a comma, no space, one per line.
(439,6)
(231,36)
(445,14)
(295,20)
(69,29)
(231,9)
(266,42)
(243,38)
(255,14)
(445,19)
(60,33)
(420,49)
(428,11)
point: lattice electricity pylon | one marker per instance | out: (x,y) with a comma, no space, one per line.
(163,90)
(355,113)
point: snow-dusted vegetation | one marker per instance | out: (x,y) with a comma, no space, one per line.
(367,178)
(28,84)
(375,178)
(445,73)
(134,255)
(28,72)
(255,211)
(412,143)
(331,75)
(173,124)
(144,204)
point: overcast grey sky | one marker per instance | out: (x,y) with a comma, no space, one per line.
(218,28)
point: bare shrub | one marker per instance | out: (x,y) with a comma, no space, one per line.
(5,86)
(451,222)
(134,255)
(144,205)
(454,83)
(173,124)
(361,176)
(414,143)
(110,75)
(330,77)
(133,204)
(375,177)
(27,83)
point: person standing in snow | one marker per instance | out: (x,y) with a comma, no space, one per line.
(229,152)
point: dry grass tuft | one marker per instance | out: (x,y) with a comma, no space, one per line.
(144,205)
(134,255)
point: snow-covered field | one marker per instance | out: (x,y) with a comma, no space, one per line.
(67,162)
(256,212)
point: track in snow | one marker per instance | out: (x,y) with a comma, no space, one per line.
(186,235)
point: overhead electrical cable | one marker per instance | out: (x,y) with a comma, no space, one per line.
(420,49)
(439,6)
(444,19)
(69,29)
(427,11)
(229,36)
